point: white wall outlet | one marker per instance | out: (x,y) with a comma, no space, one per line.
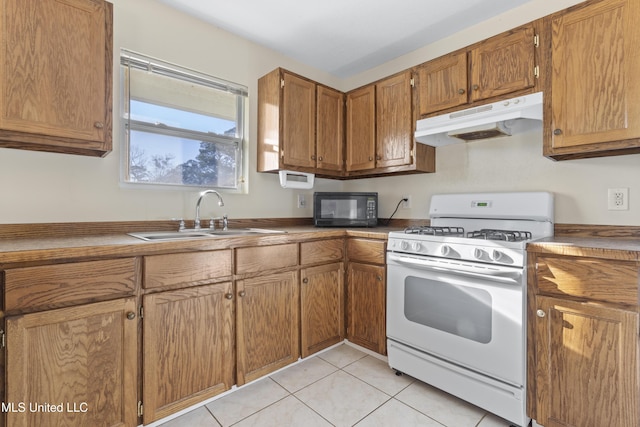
(618,199)
(407,204)
(301,201)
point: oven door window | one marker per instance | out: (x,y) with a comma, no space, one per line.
(456,309)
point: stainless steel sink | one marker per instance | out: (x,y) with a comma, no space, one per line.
(199,234)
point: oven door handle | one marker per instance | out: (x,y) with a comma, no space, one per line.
(490,272)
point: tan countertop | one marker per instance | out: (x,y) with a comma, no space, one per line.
(25,251)
(596,247)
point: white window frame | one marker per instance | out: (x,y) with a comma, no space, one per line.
(129,59)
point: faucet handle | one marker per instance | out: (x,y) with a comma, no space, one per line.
(225,222)
(181,225)
(212,224)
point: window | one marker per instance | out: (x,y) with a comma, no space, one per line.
(181,127)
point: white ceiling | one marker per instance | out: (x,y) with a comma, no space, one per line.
(344,37)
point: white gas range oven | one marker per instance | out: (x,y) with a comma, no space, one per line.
(456,296)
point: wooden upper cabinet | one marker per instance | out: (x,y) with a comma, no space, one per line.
(361,128)
(592,98)
(56,63)
(394,121)
(442,83)
(503,64)
(298,122)
(300,125)
(329,129)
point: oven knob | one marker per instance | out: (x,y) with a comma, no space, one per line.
(497,255)
(445,250)
(417,246)
(478,253)
(404,245)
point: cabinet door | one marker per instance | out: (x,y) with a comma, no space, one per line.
(298,122)
(394,121)
(322,307)
(330,129)
(366,309)
(83,358)
(503,64)
(586,364)
(442,83)
(267,324)
(594,84)
(361,128)
(55,68)
(188,347)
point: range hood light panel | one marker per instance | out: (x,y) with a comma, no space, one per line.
(490,130)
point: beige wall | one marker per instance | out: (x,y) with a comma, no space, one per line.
(46,187)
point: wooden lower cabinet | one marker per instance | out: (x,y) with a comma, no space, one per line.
(82,360)
(583,323)
(366,305)
(586,364)
(322,307)
(188,347)
(267,324)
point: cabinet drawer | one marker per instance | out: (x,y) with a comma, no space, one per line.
(364,250)
(588,278)
(192,269)
(321,251)
(51,286)
(260,258)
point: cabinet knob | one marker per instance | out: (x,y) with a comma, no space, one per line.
(320,158)
(241,293)
(305,280)
(541,313)
(379,278)
(378,157)
(98,125)
(131,315)
(476,87)
(461,91)
(557,131)
(313,157)
(370,158)
(228,296)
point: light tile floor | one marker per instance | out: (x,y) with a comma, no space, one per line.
(340,387)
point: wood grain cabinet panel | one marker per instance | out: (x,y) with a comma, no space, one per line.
(322,307)
(56,76)
(263,258)
(321,251)
(591,95)
(188,347)
(82,357)
(583,359)
(501,65)
(58,285)
(361,129)
(366,250)
(394,121)
(300,125)
(268,321)
(366,299)
(587,365)
(442,83)
(188,269)
(329,150)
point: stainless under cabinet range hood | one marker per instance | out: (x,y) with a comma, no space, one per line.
(502,118)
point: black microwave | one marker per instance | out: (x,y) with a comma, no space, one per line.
(345,209)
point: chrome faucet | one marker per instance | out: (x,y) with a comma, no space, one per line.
(204,193)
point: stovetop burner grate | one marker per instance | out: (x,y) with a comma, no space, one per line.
(435,231)
(504,235)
